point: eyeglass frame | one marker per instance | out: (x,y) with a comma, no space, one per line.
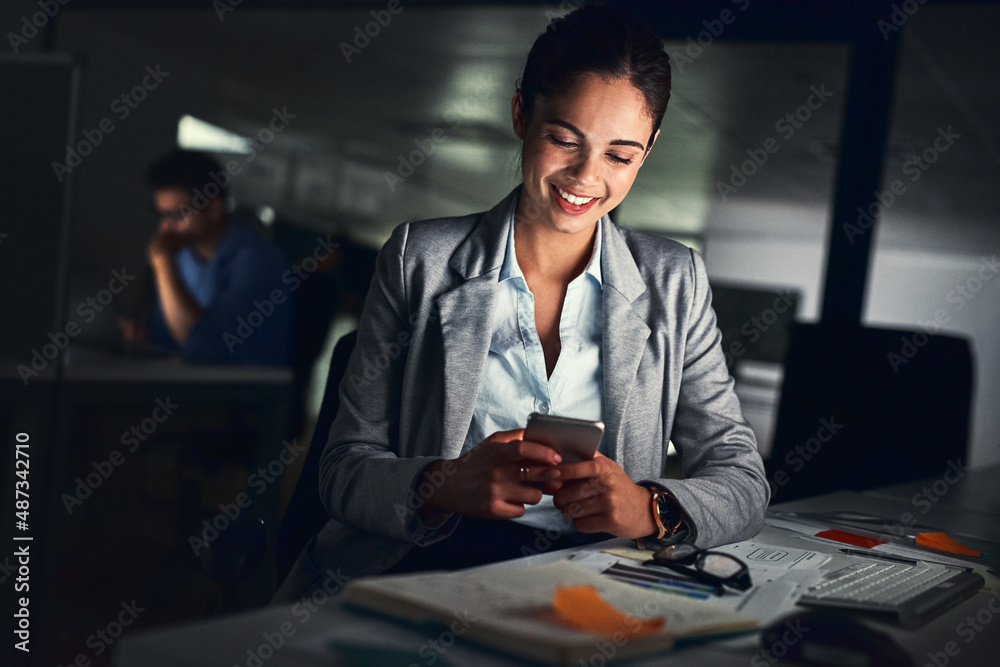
(691,564)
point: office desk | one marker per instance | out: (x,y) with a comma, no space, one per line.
(93,377)
(90,378)
(977,492)
(236,640)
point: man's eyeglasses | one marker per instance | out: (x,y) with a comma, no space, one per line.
(174,214)
(710,567)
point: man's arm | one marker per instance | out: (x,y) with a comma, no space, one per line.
(180,310)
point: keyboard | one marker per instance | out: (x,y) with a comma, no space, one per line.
(911,594)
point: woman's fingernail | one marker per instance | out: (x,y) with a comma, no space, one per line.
(558,459)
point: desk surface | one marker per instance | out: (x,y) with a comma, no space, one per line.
(91,365)
(234,640)
(977,492)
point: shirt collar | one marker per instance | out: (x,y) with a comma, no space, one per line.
(510,269)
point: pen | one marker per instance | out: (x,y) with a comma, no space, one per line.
(633,574)
(664,587)
(658,572)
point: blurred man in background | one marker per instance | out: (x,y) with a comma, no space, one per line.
(218,293)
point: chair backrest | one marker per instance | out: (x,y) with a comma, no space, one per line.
(305,514)
(863,407)
(315,306)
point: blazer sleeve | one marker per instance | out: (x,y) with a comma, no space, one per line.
(363,481)
(725,491)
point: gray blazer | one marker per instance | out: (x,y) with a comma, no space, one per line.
(665,378)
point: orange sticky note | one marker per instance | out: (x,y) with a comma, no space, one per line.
(849,538)
(583,608)
(942,542)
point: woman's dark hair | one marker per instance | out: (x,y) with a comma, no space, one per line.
(595,39)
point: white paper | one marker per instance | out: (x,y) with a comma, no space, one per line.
(770,559)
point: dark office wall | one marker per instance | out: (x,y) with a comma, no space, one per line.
(31,231)
(112,221)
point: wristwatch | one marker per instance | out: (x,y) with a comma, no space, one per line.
(668,515)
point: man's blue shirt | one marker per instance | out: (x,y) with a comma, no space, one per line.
(238,282)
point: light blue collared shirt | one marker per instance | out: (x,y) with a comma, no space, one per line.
(515,382)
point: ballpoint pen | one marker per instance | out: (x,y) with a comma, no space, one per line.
(664,585)
(657,578)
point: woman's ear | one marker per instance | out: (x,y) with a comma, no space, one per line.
(517,114)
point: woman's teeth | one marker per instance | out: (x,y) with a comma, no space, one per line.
(573,199)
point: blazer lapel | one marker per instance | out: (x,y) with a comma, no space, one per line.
(466,314)
(624,332)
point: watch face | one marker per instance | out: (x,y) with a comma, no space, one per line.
(667,509)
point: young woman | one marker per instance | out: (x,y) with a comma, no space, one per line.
(541,304)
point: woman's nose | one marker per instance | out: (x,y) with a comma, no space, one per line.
(586,166)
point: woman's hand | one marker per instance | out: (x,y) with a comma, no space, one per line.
(598,497)
(486,481)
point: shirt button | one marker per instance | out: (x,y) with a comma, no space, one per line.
(543,407)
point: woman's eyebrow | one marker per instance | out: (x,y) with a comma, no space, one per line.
(575,130)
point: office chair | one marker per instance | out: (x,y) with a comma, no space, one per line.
(238,552)
(853,417)
(305,514)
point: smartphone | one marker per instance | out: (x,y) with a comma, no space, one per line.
(575,439)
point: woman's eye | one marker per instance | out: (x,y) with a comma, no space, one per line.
(618,159)
(562,144)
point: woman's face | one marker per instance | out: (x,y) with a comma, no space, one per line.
(582,151)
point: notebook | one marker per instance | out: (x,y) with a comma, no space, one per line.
(511,610)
